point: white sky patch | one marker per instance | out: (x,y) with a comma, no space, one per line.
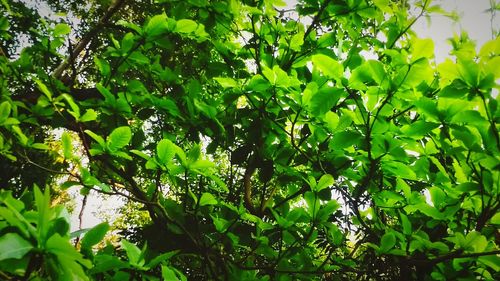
(474,19)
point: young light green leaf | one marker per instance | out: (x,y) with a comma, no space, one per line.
(97,138)
(168,274)
(495,219)
(119,138)
(207,199)
(406,224)
(67,145)
(332,120)
(297,41)
(44,89)
(226,82)
(89,115)
(5,109)
(330,67)
(201,165)
(10,121)
(185,26)
(324,182)
(133,253)
(21,136)
(140,154)
(61,29)
(422,48)
(122,154)
(165,151)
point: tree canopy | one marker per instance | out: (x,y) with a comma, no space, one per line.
(259,142)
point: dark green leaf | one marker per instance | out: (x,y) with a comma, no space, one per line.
(387,242)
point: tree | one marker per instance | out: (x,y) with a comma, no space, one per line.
(261,144)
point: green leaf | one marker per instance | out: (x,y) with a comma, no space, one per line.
(165,151)
(330,67)
(44,89)
(97,138)
(103,66)
(13,246)
(328,209)
(138,57)
(419,129)
(61,29)
(186,26)
(168,274)
(387,242)
(119,138)
(297,41)
(406,224)
(133,253)
(269,74)
(140,154)
(40,146)
(312,203)
(344,139)
(10,121)
(332,120)
(475,242)
(5,108)
(95,235)
(422,48)
(469,117)
(156,25)
(430,211)
(324,182)
(194,153)
(495,219)
(67,145)
(369,71)
(67,254)
(323,100)
(399,169)
(492,261)
(89,115)
(42,201)
(226,82)
(21,136)
(160,258)
(201,164)
(207,199)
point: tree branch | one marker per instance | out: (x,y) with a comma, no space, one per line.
(115,6)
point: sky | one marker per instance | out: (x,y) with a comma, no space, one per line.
(473,19)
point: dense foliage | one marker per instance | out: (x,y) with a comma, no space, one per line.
(320,143)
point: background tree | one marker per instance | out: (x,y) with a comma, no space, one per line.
(262,143)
